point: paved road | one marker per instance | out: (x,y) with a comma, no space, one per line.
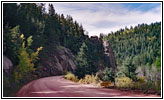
(57,86)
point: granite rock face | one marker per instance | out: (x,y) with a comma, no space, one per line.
(57,63)
(61,60)
(109,55)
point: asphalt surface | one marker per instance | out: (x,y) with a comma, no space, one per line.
(57,86)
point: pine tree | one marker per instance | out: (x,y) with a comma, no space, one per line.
(158,60)
(87,59)
(82,61)
(108,75)
(128,69)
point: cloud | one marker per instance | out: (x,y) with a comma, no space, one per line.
(99,18)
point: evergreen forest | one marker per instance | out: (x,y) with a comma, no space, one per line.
(36,40)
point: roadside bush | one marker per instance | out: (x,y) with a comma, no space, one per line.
(124,82)
(89,79)
(147,86)
(140,84)
(158,85)
(108,75)
(71,76)
(6,82)
(141,79)
(152,79)
(100,74)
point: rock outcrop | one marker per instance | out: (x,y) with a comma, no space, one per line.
(7,64)
(109,55)
(61,60)
(58,62)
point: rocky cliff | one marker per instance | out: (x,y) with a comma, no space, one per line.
(61,60)
(109,55)
(58,62)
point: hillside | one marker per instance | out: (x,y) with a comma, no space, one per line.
(38,43)
(138,51)
(142,43)
(41,44)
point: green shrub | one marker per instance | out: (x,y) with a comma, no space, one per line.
(71,76)
(158,85)
(124,82)
(146,85)
(108,75)
(140,84)
(6,82)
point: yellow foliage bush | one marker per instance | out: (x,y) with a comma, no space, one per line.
(17,76)
(71,76)
(141,79)
(140,84)
(89,79)
(124,82)
(27,60)
(158,85)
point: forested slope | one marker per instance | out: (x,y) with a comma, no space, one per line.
(47,28)
(138,53)
(142,43)
(43,43)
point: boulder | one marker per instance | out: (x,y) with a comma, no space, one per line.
(7,64)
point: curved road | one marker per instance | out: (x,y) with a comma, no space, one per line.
(57,86)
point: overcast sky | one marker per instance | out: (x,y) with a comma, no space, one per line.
(99,18)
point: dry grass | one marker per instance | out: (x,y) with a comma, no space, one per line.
(71,76)
(90,79)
